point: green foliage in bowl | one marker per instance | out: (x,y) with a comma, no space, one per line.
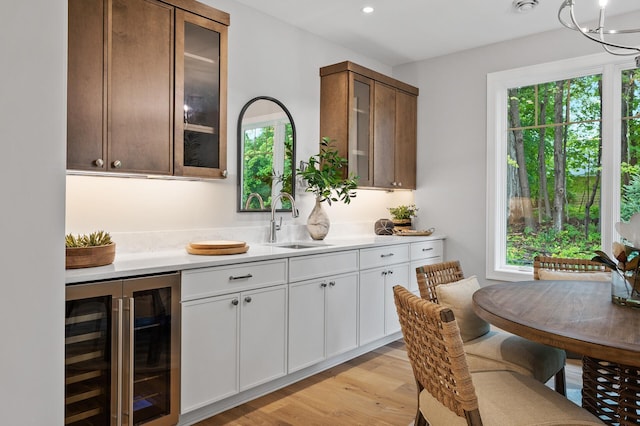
(98,238)
(403,212)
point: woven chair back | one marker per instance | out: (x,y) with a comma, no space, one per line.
(565,264)
(430,276)
(436,353)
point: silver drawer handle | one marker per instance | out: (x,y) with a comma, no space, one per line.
(427,249)
(386,255)
(242,277)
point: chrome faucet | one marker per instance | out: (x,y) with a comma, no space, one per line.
(273,227)
(250,197)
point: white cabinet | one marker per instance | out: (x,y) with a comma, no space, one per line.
(234,341)
(423,253)
(322,310)
(380,269)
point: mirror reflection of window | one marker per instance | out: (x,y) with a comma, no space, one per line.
(266,153)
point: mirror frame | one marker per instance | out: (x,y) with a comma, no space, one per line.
(240,208)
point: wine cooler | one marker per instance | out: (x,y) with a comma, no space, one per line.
(122,352)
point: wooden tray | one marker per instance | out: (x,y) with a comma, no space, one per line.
(216,244)
(412,232)
(217,251)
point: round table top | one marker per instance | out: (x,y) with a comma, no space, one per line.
(574,315)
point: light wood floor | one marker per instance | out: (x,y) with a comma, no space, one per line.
(375,388)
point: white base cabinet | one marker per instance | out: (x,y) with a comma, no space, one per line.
(322,319)
(423,253)
(236,341)
(380,269)
(251,328)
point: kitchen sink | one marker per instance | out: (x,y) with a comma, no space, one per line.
(299,246)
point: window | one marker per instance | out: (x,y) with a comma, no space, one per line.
(555,157)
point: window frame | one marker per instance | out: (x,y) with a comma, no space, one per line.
(498,84)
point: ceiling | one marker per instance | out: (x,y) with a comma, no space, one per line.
(401,31)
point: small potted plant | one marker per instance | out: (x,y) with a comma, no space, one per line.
(402,215)
(325,176)
(86,251)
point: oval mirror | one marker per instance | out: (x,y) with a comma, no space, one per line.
(266,154)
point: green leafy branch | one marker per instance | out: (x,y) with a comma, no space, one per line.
(324,175)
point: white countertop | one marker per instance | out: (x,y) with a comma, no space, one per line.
(155,262)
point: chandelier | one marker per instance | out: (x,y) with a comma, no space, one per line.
(600,34)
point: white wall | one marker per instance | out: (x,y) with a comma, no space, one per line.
(266,57)
(32,135)
(452,132)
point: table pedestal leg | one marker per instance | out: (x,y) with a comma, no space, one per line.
(611,391)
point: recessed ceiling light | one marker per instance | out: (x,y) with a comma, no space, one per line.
(367,9)
(524,5)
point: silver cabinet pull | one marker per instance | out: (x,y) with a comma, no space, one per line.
(235,302)
(427,249)
(241,277)
(99,162)
(387,255)
(247,299)
(224,173)
(117,164)
(323,285)
(332,283)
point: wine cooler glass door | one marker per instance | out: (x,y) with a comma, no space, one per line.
(90,354)
(151,373)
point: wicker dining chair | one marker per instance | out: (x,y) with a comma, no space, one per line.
(569,265)
(496,349)
(449,394)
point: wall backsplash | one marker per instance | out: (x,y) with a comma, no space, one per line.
(158,214)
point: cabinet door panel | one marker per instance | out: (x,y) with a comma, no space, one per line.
(141,87)
(361,128)
(406,139)
(263,338)
(384,136)
(372,305)
(341,314)
(396,275)
(200,110)
(210,330)
(306,324)
(85,92)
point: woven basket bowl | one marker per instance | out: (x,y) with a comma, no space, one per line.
(88,257)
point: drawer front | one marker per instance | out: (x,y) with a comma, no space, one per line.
(381,256)
(199,283)
(320,265)
(426,249)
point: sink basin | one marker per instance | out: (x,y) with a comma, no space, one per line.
(299,246)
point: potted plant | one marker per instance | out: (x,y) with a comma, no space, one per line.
(403,215)
(325,176)
(85,251)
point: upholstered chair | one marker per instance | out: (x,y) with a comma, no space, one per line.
(488,348)
(449,394)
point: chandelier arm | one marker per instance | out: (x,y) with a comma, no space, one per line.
(573,25)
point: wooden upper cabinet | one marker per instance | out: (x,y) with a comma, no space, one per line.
(373,120)
(126,87)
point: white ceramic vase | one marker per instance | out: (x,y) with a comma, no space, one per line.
(318,222)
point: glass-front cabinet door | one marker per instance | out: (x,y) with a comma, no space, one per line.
(200,97)
(361,128)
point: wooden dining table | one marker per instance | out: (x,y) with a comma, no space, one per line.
(578,316)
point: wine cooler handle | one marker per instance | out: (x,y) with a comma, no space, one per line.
(132,324)
(119,325)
